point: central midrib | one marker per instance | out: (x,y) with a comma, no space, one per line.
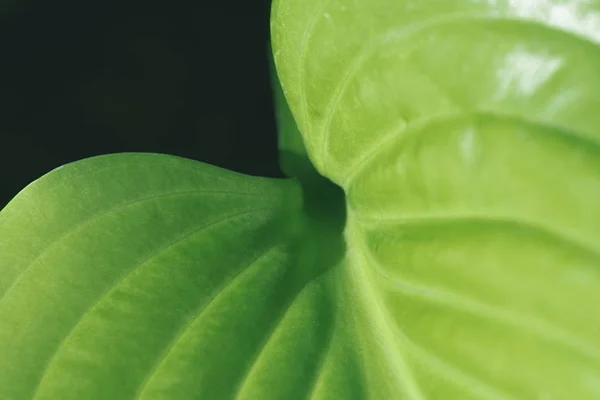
(362,280)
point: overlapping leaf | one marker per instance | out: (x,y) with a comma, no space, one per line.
(465,135)
(154,277)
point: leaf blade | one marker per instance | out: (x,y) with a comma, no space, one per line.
(94,345)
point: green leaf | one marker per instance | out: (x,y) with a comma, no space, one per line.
(462,260)
(154,277)
(465,136)
(357,73)
(292,154)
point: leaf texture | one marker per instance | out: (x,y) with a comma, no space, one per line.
(152,277)
(465,136)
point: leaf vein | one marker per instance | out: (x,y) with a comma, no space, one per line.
(312,388)
(303,57)
(391,221)
(119,207)
(453,374)
(136,267)
(393,138)
(180,334)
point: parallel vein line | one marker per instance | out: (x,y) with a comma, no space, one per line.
(141,158)
(414,127)
(180,334)
(380,318)
(325,354)
(483,389)
(381,144)
(452,374)
(463,304)
(425,220)
(303,53)
(119,207)
(402,33)
(364,54)
(268,337)
(136,267)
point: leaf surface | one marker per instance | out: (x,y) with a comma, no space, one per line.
(152,277)
(465,136)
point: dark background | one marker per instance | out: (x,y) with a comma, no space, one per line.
(80,78)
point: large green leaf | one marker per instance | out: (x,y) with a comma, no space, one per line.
(466,137)
(357,73)
(154,277)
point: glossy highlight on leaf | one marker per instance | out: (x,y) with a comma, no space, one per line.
(445,244)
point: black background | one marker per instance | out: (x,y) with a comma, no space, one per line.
(80,78)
